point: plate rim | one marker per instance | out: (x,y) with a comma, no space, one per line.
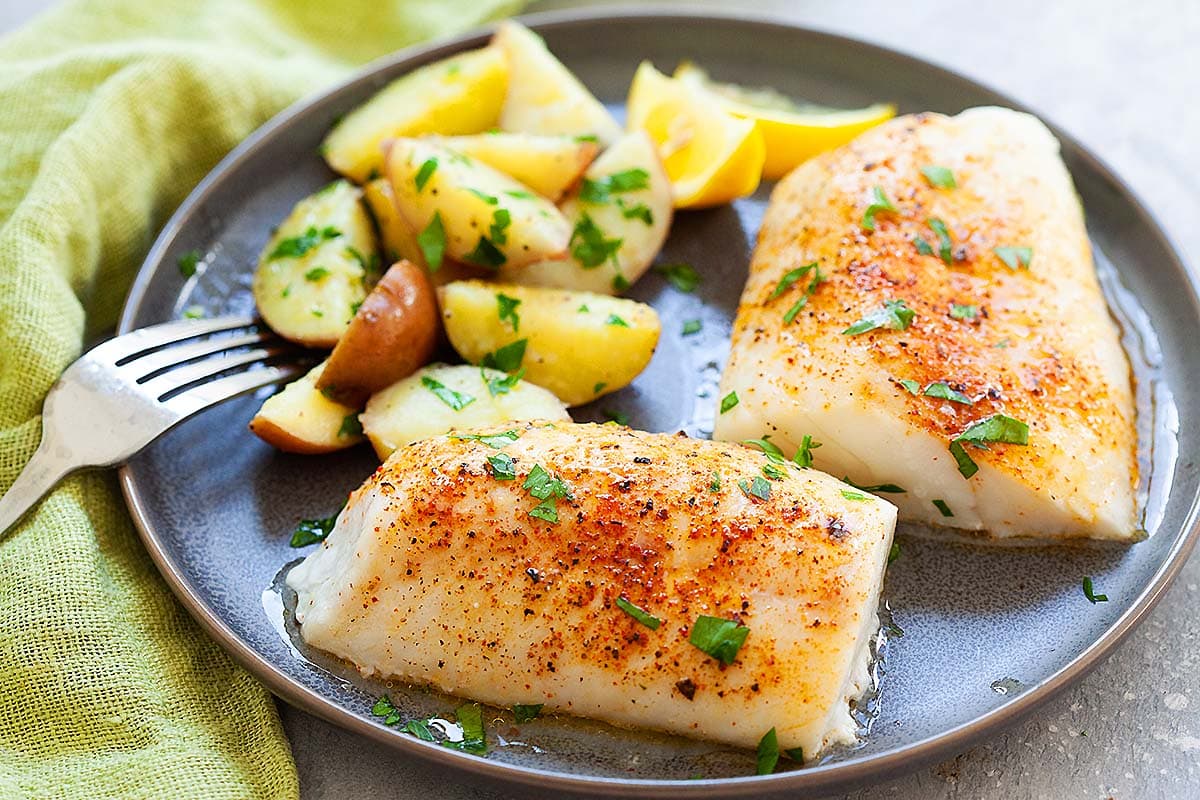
(856,770)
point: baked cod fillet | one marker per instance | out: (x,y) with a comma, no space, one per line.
(961,350)
(442,570)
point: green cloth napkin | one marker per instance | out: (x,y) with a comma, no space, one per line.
(110,112)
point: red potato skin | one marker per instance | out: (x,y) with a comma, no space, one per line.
(393,335)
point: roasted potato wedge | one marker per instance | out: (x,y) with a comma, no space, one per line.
(316,268)
(460,94)
(578,345)
(300,419)
(470,212)
(621,217)
(392,335)
(441,398)
(543,95)
(549,165)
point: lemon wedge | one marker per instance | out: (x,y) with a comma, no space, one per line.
(791,132)
(711,156)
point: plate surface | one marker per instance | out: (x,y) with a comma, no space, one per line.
(988,633)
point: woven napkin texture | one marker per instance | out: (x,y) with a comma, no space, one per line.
(110,112)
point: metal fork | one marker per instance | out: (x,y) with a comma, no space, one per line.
(123,394)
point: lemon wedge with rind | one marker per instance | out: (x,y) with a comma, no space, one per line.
(711,156)
(792,132)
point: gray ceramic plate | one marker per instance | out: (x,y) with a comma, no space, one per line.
(988,633)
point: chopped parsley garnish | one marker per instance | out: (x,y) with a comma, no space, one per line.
(620,283)
(502,385)
(311,531)
(299,245)
(941,506)
(587,137)
(425,173)
(849,495)
(758,488)
(616,321)
(599,387)
(912,386)
(894,314)
(602,189)
(640,614)
(789,278)
(432,242)
(637,211)
(355,306)
(804,298)
(996,428)
(945,243)
(507,309)
(188,262)
(588,245)
(507,358)
(384,708)
(770,448)
(520,194)
(547,488)
(369,265)
(1014,257)
(484,196)
(456,400)
(715,484)
(894,552)
(942,390)
(501,219)
(923,247)
(729,401)
(768,753)
(773,472)
(583,309)
(617,417)
(963,312)
(1003,344)
(803,457)
(193,312)
(351,426)
(502,467)
(316,312)
(486,255)
(691,326)
(470,719)
(939,177)
(795,754)
(418,728)
(1089,591)
(719,638)
(492,440)
(682,276)
(526,713)
(886,488)
(315,274)
(879,205)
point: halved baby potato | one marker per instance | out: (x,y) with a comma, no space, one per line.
(579,345)
(543,95)
(460,94)
(442,398)
(549,165)
(316,267)
(621,219)
(300,419)
(470,212)
(392,335)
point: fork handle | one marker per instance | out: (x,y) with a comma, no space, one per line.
(39,476)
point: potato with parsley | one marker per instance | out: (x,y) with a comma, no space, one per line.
(469,212)
(543,95)
(460,94)
(300,419)
(549,165)
(442,398)
(579,345)
(621,217)
(317,266)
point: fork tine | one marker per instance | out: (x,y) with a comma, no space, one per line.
(149,366)
(179,379)
(208,394)
(134,343)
